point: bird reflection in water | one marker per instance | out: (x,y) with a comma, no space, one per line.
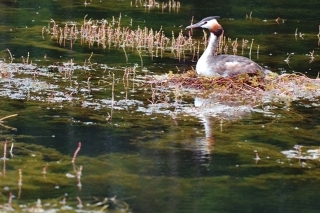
(204,145)
(208,110)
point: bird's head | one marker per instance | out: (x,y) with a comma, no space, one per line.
(210,23)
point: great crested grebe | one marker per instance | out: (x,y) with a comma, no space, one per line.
(211,64)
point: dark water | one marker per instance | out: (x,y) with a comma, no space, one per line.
(148,159)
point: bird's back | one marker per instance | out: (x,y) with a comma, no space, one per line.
(228,65)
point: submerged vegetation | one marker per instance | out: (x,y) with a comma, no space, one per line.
(31,170)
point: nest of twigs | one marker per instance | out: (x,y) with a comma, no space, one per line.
(245,88)
(190,79)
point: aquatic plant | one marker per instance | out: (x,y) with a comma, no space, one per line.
(109,34)
(76,152)
(171,5)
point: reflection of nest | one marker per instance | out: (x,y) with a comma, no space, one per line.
(245,89)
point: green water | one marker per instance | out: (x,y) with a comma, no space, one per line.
(149,159)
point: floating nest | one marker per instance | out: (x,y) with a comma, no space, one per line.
(244,89)
(190,79)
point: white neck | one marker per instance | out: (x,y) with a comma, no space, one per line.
(212,45)
(203,63)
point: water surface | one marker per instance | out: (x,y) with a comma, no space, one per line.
(151,159)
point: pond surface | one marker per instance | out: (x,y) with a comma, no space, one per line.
(145,147)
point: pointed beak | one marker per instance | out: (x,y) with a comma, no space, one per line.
(193,26)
